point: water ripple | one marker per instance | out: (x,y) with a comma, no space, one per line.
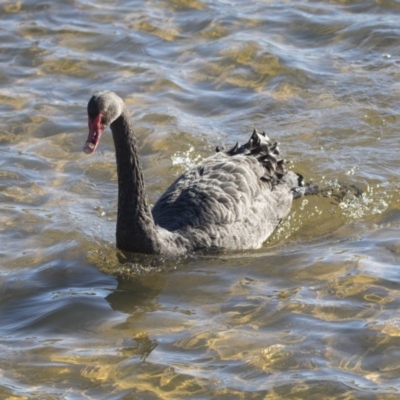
(313,314)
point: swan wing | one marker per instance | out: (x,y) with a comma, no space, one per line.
(226,201)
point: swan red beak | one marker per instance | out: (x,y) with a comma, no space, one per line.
(96,128)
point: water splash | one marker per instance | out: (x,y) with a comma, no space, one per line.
(336,205)
(186,159)
(371,202)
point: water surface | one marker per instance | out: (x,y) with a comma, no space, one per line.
(313,314)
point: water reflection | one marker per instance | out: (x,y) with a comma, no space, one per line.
(137,296)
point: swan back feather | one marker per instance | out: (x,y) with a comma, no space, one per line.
(233,199)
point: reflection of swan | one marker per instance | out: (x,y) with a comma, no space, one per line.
(231,200)
(137,297)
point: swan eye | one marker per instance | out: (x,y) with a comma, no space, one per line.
(92,117)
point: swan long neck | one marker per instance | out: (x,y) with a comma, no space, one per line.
(136,230)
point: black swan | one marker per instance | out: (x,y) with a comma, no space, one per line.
(231,200)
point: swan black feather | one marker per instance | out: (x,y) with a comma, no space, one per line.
(231,200)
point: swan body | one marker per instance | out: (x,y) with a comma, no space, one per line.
(231,200)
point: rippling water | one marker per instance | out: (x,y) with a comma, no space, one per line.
(313,314)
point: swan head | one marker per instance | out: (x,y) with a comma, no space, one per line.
(103,109)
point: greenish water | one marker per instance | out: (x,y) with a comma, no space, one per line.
(313,314)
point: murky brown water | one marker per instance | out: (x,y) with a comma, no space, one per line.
(314,314)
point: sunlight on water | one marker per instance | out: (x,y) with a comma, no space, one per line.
(312,314)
